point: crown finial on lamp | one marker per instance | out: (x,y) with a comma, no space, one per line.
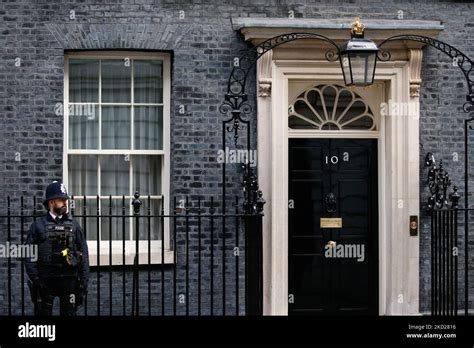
(357,29)
(358,58)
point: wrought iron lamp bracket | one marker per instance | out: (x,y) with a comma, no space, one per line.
(236,99)
(236,104)
(459,59)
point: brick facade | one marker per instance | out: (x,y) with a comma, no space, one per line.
(202,45)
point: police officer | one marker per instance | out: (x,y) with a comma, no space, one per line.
(62,266)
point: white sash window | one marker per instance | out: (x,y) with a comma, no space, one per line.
(117,142)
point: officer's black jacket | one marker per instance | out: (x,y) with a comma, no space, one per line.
(36,236)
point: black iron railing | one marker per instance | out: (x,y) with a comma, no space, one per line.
(450,264)
(194,260)
(450,247)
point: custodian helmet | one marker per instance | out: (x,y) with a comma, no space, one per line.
(55,190)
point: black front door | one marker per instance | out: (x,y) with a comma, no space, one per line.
(332,269)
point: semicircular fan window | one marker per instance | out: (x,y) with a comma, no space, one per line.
(330,107)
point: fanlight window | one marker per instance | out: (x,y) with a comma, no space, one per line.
(330,107)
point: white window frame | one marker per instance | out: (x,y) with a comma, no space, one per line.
(130,245)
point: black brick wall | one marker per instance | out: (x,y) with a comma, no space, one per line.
(202,45)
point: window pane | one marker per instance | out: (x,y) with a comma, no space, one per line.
(82,175)
(83,80)
(89,224)
(148,81)
(114,175)
(148,127)
(116,127)
(147,175)
(155,222)
(116,81)
(116,225)
(83,126)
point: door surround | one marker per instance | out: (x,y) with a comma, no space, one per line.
(398,145)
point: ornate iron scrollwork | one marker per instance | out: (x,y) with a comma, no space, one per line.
(438,184)
(236,105)
(253,197)
(236,99)
(454,197)
(461,60)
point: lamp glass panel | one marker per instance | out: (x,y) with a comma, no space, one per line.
(346,69)
(362,65)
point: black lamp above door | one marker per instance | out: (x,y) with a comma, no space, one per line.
(358,58)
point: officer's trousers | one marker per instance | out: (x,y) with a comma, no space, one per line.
(62,287)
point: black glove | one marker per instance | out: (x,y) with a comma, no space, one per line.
(39,284)
(84,284)
(37,291)
(81,292)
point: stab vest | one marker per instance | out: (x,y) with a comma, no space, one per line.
(56,238)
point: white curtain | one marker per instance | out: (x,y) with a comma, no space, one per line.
(83,80)
(83,117)
(148,125)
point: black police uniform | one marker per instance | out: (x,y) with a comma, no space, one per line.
(62,267)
